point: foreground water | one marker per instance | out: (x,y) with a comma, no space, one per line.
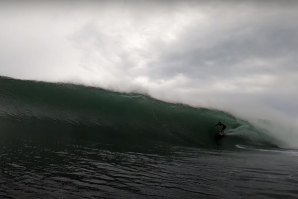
(95,171)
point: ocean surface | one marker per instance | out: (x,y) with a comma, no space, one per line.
(70,141)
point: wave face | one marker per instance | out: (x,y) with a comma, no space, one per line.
(47,111)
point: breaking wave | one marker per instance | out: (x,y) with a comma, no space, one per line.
(47,111)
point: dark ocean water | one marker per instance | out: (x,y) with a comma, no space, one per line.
(89,171)
(70,141)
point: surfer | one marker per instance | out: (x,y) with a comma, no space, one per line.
(220,134)
(221,127)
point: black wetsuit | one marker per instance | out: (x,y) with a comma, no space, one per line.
(220,134)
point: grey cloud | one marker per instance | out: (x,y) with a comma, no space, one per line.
(268,41)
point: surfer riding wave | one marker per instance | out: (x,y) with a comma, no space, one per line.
(220,134)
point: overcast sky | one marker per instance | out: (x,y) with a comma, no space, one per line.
(237,56)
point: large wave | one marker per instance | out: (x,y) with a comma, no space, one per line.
(67,111)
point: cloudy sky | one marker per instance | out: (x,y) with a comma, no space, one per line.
(237,56)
